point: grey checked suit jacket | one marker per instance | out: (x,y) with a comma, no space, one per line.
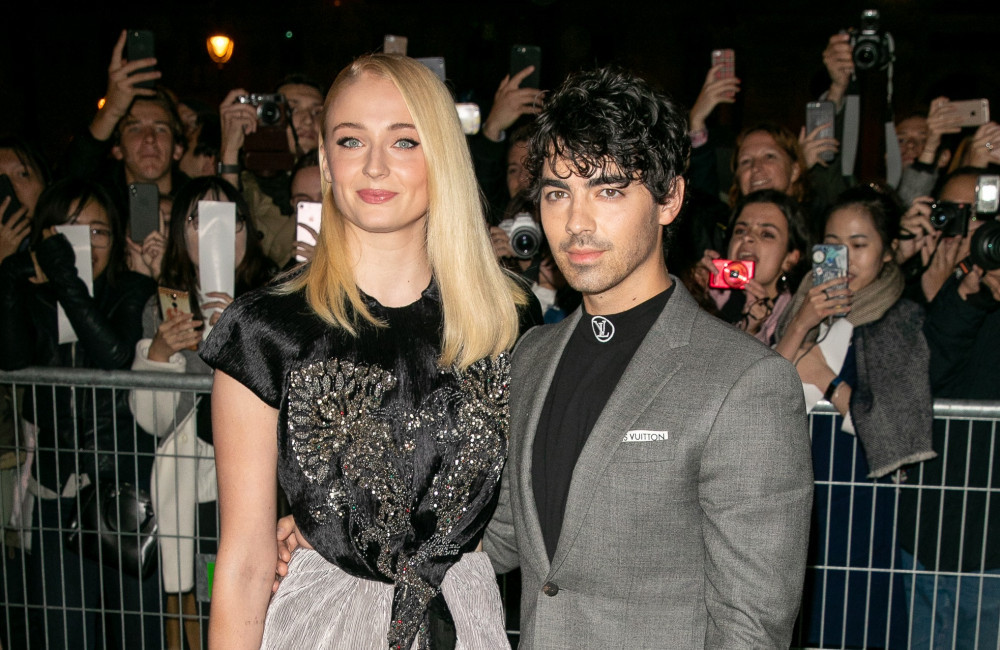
(697,540)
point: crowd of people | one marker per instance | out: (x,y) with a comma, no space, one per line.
(914,319)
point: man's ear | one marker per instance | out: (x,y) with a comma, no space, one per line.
(116,151)
(178,152)
(672,204)
(944,158)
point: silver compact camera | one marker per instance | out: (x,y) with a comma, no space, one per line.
(270,107)
(525,235)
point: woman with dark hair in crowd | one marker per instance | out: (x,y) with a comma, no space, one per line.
(183,480)
(36,288)
(28,173)
(768,229)
(861,348)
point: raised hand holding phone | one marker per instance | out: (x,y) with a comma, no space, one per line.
(125,82)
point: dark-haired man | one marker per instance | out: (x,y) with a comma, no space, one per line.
(658,485)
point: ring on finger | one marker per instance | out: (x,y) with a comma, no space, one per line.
(989,146)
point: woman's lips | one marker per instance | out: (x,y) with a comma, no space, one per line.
(375,196)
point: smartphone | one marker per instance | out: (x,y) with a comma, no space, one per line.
(173,300)
(310,214)
(143,210)
(988,194)
(7,189)
(829,261)
(393,44)
(974,112)
(727,59)
(818,114)
(470,117)
(521,56)
(436,64)
(731,274)
(139,45)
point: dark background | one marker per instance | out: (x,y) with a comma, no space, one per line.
(53,61)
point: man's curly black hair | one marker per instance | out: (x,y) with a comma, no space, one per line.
(612,121)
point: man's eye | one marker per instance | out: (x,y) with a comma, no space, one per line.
(609,193)
(555,195)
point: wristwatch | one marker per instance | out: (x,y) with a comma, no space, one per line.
(832,388)
(223,168)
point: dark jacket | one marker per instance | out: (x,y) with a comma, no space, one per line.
(108,325)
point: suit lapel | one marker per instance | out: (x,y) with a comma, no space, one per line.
(652,366)
(542,370)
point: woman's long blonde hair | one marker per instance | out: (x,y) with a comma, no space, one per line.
(478,299)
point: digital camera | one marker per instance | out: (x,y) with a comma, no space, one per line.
(731,274)
(951,218)
(525,235)
(984,247)
(270,108)
(872,47)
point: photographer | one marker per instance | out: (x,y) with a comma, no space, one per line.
(268,190)
(138,126)
(941,529)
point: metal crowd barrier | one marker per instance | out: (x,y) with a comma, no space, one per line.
(858,585)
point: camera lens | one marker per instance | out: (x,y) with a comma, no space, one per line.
(865,56)
(269,113)
(524,242)
(984,249)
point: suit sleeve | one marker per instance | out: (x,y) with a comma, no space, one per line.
(755,489)
(500,542)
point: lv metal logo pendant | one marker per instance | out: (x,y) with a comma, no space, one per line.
(603,328)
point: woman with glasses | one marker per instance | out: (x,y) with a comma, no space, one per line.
(82,434)
(184,471)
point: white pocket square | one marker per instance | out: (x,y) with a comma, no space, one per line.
(646,435)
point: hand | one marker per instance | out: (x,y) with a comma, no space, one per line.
(122,89)
(917,234)
(153,247)
(236,121)
(135,261)
(511,102)
(705,263)
(985,146)
(289,539)
(222,300)
(501,242)
(14,231)
(838,57)
(178,332)
(822,302)
(942,265)
(942,118)
(813,145)
(714,91)
(308,251)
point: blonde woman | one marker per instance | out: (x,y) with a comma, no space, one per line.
(373,384)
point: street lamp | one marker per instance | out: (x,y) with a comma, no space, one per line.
(220,48)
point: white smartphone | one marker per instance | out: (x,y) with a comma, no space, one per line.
(310,214)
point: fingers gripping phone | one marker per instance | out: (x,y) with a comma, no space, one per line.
(310,214)
(818,114)
(521,56)
(139,45)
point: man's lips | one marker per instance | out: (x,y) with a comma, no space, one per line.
(375,196)
(583,255)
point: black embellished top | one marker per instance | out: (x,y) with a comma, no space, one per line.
(390,463)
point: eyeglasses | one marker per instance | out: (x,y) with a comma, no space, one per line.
(192,222)
(99,237)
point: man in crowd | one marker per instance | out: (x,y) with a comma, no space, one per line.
(658,486)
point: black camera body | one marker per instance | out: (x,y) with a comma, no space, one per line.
(266,150)
(872,47)
(270,108)
(951,218)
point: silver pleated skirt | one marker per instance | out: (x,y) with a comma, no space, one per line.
(320,606)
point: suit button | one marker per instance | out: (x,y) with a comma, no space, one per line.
(550,589)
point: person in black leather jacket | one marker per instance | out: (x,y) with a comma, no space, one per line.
(83,434)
